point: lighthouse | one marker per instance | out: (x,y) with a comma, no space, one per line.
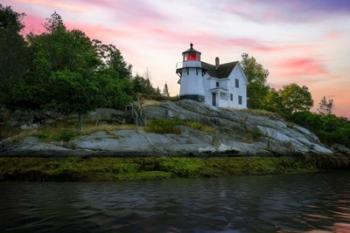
(191,75)
(222,85)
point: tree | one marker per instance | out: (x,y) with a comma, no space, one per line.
(295,99)
(54,23)
(165,90)
(71,92)
(112,60)
(256,75)
(14,55)
(142,85)
(63,73)
(273,102)
(326,106)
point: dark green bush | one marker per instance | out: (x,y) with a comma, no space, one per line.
(329,128)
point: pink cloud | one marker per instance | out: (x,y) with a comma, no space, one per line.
(58,5)
(33,24)
(302,67)
(131,11)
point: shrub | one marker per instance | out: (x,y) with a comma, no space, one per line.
(54,134)
(163,126)
(329,128)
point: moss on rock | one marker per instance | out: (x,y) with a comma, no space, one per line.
(155,168)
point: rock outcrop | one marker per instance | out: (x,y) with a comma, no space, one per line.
(235,132)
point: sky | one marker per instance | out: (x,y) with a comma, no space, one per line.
(299,41)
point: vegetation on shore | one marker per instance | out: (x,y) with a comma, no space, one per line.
(66,72)
(163,126)
(156,168)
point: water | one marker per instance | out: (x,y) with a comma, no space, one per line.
(289,203)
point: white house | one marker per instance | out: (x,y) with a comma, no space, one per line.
(221,85)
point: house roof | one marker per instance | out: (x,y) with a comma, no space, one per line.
(222,71)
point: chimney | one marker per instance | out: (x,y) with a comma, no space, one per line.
(217,62)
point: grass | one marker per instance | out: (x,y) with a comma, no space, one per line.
(66,132)
(164,126)
(261,112)
(156,168)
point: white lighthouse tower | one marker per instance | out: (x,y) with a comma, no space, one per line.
(191,75)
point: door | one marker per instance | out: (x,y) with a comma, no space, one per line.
(213,98)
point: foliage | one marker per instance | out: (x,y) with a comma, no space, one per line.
(112,61)
(63,70)
(62,134)
(295,98)
(256,75)
(166,91)
(163,126)
(329,128)
(288,100)
(156,168)
(273,102)
(142,86)
(14,58)
(326,106)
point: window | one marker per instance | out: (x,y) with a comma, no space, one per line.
(237,83)
(188,70)
(240,100)
(217,84)
(231,97)
(191,57)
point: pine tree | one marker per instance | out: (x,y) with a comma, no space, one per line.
(166,90)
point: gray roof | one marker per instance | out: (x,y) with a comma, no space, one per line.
(223,71)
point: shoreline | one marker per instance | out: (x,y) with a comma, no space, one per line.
(117,169)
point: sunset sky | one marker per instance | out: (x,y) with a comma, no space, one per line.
(306,42)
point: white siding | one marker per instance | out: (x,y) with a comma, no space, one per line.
(196,84)
(227,87)
(192,83)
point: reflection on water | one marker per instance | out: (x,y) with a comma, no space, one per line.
(290,203)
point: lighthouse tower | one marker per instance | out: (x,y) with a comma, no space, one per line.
(191,75)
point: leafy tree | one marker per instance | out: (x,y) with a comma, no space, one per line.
(256,74)
(295,98)
(14,58)
(166,91)
(273,102)
(326,106)
(63,74)
(112,60)
(114,93)
(71,92)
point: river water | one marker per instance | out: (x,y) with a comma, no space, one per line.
(285,203)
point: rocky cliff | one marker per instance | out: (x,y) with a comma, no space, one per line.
(233,132)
